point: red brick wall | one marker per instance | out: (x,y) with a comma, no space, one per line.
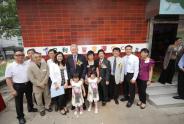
(62,22)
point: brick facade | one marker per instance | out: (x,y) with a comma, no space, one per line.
(62,22)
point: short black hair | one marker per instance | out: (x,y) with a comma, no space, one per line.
(33,50)
(145,50)
(75,75)
(90,53)
(101,50)
(91,71)
(37,53)
(128,46)
(18,50)
(177,38)
(52,50)
(116,49)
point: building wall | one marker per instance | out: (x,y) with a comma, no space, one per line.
(85,22)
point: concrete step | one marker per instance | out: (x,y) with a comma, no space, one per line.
(161,95)
(165,101)
(157,84)
(5,94)
(161,90)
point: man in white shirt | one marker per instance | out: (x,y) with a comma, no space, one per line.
(51,55)
(131,70)
(117,74)
(18,83)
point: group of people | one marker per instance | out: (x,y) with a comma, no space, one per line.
(84,79)
(173,61)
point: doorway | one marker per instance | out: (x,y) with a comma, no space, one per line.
(163,36)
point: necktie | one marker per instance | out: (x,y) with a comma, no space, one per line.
(114,66)
(100,64)
(75,60)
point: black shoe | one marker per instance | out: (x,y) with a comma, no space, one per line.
(73,107)
(177,97)
(49,110)
(42,113)
(169,82)
(129,104)
(22,121)
(123,99)
(33,110)
(109,100)
(116,101)
(103,103)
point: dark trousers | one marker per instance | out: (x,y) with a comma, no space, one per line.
(129,88)
(53,100)
(21,89)
(113,88)
(181,84)
(168,73)
(60,101)
(103,90)
(142,85)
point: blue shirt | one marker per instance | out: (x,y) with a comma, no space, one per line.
(181,62)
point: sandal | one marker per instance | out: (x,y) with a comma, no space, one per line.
(62,112)
(139,103)
(143,106)
(66,110)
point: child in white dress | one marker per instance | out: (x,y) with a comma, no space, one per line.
(93,94)
(77,96)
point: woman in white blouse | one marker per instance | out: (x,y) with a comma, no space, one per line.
(59,77)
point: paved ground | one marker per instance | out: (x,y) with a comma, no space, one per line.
(111,114)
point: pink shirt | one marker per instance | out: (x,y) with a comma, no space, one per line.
(144,68)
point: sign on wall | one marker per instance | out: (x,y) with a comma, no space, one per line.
(83,49)
(171,7)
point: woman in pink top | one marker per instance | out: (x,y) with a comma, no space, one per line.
(145,75)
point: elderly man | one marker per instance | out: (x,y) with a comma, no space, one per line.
(18,83)
(38,73)
(76,63)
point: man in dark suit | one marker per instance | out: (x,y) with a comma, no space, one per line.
(104,75)
(76,63)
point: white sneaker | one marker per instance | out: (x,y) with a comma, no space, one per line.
(81,112)
(89,109)
(75,113)
(96,111)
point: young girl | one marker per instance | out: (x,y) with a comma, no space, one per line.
(77,96)
(93,95)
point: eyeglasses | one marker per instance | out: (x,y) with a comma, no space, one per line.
(20,55)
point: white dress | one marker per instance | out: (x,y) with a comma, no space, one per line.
(77,97)
(93,94)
